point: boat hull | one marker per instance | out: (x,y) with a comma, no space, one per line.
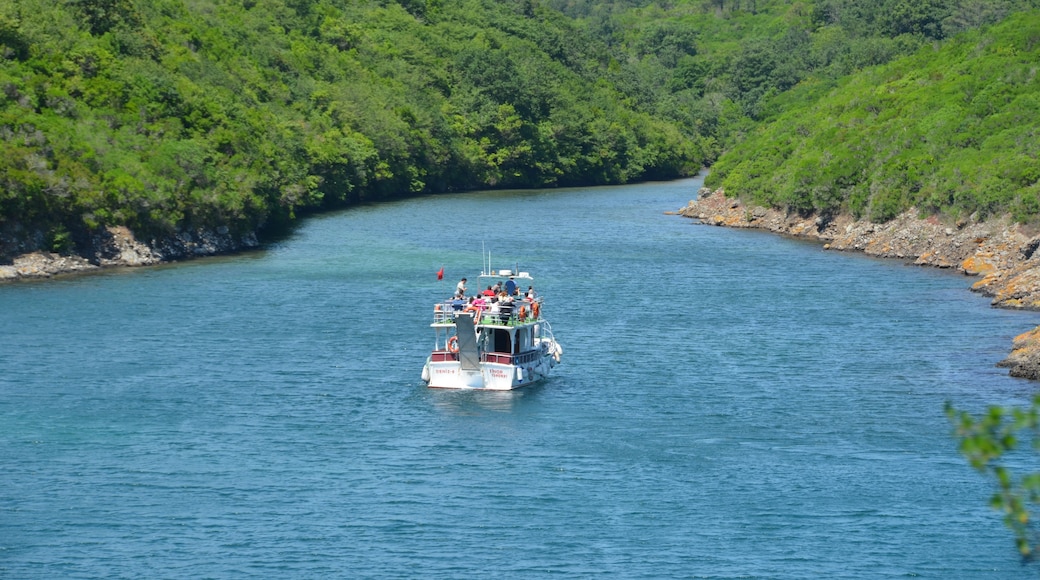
(490,376)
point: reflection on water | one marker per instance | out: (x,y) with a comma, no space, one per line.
(463,402)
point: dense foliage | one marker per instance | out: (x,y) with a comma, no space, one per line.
(173,113)
(170,114)
(951,129)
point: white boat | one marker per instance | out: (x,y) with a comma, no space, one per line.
(499,346)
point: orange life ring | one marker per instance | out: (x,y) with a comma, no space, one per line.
(536,309)
(522,315)
(453,344)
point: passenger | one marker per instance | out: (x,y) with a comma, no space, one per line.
(505,307)
(531,295)
(488,292)
(495,309)
(497,288)
(474,308)
(480,304)
(511,287)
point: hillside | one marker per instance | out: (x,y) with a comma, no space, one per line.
(953,130)
(199,126)
(174,115)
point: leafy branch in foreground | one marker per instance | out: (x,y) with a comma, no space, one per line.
(985,441)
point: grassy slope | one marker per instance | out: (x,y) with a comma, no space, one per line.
(948,130)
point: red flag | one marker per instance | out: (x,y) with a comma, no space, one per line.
(440,273)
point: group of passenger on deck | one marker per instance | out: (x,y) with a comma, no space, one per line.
(498,301)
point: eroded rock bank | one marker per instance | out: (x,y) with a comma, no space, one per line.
(114,246)
(1000,253)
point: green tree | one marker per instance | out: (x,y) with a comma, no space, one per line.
(992,441)
(105,15)
(12,40)
(922,17)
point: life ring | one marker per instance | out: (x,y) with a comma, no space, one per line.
(522,315)
(453,344)
(536,309)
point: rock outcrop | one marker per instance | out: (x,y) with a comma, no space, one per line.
(1000,253)
(114,246)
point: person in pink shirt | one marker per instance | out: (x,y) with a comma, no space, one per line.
(477,305)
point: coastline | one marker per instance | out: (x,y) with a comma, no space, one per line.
(1000,253)
(113,247)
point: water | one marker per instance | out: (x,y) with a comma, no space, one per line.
(732,404)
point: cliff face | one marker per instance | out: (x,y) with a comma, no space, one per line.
(115,246)
(1001,254)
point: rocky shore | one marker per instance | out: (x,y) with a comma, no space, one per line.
(1001,254)
(21,255)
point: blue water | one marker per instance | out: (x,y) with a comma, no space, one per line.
(731,404)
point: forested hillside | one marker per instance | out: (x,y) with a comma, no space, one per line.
(176,114)
(179,113)
(953,130)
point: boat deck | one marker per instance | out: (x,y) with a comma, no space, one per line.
(522,312)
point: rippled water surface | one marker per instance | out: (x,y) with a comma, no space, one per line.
(732,404)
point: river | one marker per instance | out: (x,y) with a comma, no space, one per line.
(731,404)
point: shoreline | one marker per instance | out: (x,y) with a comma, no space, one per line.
(1001,254)
(116,247)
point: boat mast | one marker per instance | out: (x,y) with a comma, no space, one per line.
(485,261)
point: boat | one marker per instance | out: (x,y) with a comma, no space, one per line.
(500,346)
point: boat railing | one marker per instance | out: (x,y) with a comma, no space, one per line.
(501,358)
(521,312)
(510,359)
